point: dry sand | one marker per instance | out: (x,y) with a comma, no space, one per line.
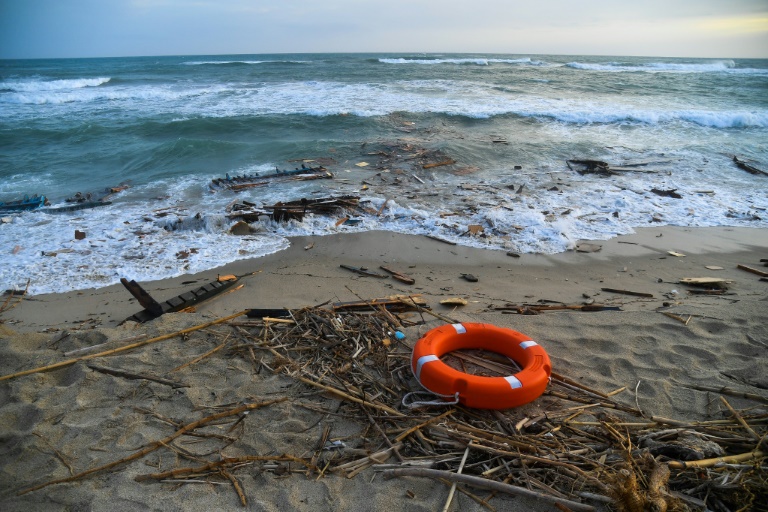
(88,418)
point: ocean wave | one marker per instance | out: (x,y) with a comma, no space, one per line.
(661,67)
(480,61)
(241,62)
(40,85)
(448,97)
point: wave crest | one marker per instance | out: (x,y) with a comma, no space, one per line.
(39,85)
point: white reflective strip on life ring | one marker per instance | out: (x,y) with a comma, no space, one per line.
(460,329)
(514,382)
(422,361)
(526,344)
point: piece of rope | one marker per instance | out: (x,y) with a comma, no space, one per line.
(415,403)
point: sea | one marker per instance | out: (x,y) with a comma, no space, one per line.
(503,128)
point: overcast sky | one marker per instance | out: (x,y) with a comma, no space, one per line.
(105,28)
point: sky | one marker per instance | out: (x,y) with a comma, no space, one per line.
(121,28)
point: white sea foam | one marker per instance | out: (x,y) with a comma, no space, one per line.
(728,66)
(218,62)
(480,61)
(321,98)
(42,85)
(188,231)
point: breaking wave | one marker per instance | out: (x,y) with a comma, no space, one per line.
(679,67)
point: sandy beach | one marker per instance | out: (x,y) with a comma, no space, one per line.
(62,422)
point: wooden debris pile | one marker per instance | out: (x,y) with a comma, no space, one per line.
(295,210)
(243,182)
(405,156)
(575,448)
(589,166)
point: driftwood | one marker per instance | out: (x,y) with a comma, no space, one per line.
(741,164)
(667,193)
(399,275)
(484,483)
(753,270)
(392,303)
(450,161)
(363,271)
(133,375)
(627,292)
(589,166)
(534,309)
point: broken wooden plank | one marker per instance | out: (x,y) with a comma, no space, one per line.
(178,303)
(667,193)
(363,271)
(753,270)
(440,239)
(439,164)
(144,298)
(741,164)
(399,275)
(717,282)
(454,301)
(627,292)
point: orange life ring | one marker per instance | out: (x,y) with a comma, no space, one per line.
(481,392)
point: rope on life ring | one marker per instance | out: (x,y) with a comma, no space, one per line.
(481,392)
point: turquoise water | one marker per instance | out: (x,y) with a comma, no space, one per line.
(168,125)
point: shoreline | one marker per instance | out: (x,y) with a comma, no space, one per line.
(428,260)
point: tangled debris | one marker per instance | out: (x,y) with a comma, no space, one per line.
(576,447)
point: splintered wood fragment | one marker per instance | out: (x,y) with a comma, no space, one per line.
(130,375)
(439,164)
(440,239)
(753,270)
(475,229)
(741,164)
(534,309)
(718,282)
(627,292)
(680,319)
(454,301)
(484,483)
(363,271)
(157,444)
(399,275)
(144,298)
